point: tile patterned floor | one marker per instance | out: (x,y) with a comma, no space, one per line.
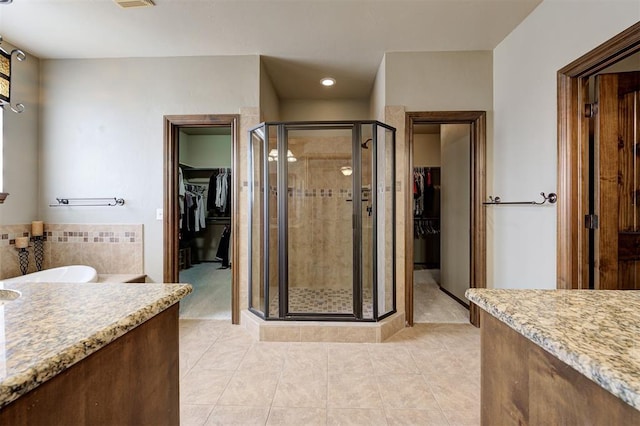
(425,375)
(323,300)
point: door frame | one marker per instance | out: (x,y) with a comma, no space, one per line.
(478,255)
(172,125)
(573,151)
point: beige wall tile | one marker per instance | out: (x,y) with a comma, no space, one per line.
(280,333)
(109,248)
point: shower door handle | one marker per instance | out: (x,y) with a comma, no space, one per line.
(369,210)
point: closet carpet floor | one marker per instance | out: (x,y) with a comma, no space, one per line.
(211,296)
(425,375)
(432,305)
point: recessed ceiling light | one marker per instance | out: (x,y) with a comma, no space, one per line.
(328,81)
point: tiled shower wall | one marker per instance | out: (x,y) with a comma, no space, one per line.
(110,249)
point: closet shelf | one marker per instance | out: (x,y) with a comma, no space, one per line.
(201,172)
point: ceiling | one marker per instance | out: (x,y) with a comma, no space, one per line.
(301,40)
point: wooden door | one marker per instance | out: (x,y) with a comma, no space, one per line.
(617,183)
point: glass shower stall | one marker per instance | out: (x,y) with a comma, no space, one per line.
(322,212)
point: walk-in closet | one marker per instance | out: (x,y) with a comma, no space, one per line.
(204,234)
(441,219)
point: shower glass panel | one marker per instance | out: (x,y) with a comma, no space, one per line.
(256,190)
(273,257)
(385,228)
(366,217)
(322,221)
(319,221)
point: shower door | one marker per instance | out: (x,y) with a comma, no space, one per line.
(319,222)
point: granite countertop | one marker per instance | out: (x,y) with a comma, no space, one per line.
(50,327)
(595,332)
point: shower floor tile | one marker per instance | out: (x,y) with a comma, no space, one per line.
(322,301)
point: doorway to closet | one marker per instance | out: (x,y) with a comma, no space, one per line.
(445,224)
(200,206)
(441,222)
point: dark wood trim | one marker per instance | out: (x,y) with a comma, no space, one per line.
(133,380)
(454,297)
(478,255)
(408,233)
(523,384)
(572,147)
(172,124)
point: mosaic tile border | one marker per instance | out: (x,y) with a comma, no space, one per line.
(74,233)
(321,192)
(92,237)
(9,239)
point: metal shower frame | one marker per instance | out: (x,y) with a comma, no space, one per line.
(283,215)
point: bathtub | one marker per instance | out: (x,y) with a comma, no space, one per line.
(63,274)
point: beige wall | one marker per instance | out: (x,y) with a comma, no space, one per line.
(377,101)
(525,144)
(432,81)
(328,110)
(439,81)
(455,214)
(426,150)
(208,151)
(102,132)
(269,101)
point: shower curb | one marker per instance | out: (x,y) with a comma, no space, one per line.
(321,331)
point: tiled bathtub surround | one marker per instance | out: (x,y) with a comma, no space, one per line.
(109,248)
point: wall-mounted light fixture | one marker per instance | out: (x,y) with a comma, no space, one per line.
(273,156)
(5,77)
(346,170)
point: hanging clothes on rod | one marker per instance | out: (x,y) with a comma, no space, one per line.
(219,193)
(418,191)
(427,226)
(197,192)
(192,204)
(181,195)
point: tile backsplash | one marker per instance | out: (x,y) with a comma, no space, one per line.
(109,248)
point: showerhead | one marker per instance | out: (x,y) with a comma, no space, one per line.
(364,145)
